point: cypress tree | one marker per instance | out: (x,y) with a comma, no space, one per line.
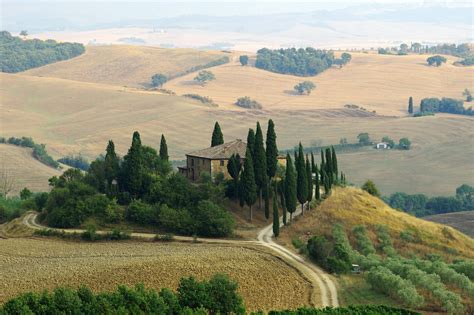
(163,149)
(309,177)
(313,165)
(271,150)
(217,136)
(329,171)
(251,140)
(133,167)
(290,187)
(316,184)
(281,186)
(334,162)
(234,167)
(410,105)
(259,163)
(266,198)
(249,188)
(323,164)
(111,166)
(276,217)
(301,180)
(240,191)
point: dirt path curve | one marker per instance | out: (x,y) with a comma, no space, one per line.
(316,276)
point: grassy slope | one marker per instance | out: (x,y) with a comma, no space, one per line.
(352,206)
(125,65)
(377,82)
(26,170)
(463,221)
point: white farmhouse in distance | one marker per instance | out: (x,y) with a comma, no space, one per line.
(382,145)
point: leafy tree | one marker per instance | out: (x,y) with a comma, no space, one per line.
(346,57)
(305,87)
(217,136)
(290,187)
(403,48)
(468,95)
(364,139)
(389,141)
(271,150)
(410,105)
(404,144)
(212,220)
(301,179)
(249,188)
(436,60)
(132,169)
(163,149)
(309,177)
(244,60)
(370,187)
(204,76)
(276,217)
(24,33)
(247,102)
(157,80)
(25,194)
(259,163)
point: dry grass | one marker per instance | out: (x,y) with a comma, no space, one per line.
(126,65)
(29,264)
(26,170)
(377,82)
(462,221)
(351,206)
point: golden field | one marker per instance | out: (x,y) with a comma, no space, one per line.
(74,117)
(26,170)
(126,65)
(38,264)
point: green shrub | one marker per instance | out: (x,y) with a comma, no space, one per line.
(385,240)
(212,220)
(176,220)
(140,212)
(465,267)
(90,233)
(118,235)
(364,243)
(297,243)
(247,102)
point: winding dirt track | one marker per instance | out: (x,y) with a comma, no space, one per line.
(316,276)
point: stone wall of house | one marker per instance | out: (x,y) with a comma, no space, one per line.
(220,166)
(196,166)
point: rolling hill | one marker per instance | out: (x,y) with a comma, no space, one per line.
(462,221)
(126,65)
(26,170)
(381,83)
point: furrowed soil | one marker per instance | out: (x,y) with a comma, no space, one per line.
(38,264)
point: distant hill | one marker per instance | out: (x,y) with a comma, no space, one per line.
(127,65)
(352,206)
(462,221)
(26,170)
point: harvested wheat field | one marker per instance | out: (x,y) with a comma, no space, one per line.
(25,170)
(126,65)
(38,264)
(380,83)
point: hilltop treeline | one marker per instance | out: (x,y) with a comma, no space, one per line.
(300,62)
(20,55)
(39,150)
(444,105)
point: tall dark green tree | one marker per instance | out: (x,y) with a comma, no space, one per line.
(290,186)
(323,163)
(313,164)
(281,189)
(334,162)
(249,188)
(266,199)
(309,178)
(132,170)
(271,150)
(217,136)
(276,217)
(316,183)
(163,149)
(111,167)
(259,164)
(301,179)
(410,105)
(329,171)
(233,167)
(251,140)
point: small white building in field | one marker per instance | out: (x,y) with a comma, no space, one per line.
(382,145)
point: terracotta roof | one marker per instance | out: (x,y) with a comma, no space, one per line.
(223,151)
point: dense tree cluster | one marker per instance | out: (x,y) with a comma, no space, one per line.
(244,60)
(77,161)
(216,296)
(139,188)
(157,80)
(304,87)
(20,55)
(300,62)
(204,76)
(468,61)
(444,105)
(247,102)
(436,60)
(422,205)
(39,150)
(461,50)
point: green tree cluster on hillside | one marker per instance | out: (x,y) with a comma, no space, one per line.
(39,150)
(300,62)
(20,55)
(304,87)
(157,80)
(444,105)
(436,60)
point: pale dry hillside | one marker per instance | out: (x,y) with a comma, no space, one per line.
(36,265)
(352,206)
(77,117)
(380,83)
(25,169)
(126,65)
